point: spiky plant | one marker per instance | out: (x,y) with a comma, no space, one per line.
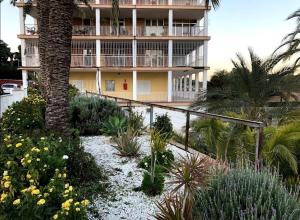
(246,194)
(127,143)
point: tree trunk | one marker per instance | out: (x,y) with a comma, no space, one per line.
(55,29)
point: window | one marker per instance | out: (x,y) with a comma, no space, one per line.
(110,85)
(144,87)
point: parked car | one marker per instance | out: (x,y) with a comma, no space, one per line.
(8,87)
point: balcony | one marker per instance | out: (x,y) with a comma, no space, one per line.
(152,61)
(111,31)
(109,2)
(83,60)
(189,2)
(83,30)
(184,61)
(151,31)
(152,2)
(116,61)
(188,31)
(30,29)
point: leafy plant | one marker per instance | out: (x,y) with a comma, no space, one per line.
(163,125)
(89,113)
(113,126)
(246,194)
(153,185)
(164,160)
(24,117)
(136,122)
(127,143)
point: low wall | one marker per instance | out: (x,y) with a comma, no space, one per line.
(9,99)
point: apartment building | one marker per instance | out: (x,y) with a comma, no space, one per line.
(158,54)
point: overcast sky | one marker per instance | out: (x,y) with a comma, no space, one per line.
(235,26)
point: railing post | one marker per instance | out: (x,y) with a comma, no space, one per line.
(151,116)
(259,145)
(187,128)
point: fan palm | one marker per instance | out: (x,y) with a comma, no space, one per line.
(250,88)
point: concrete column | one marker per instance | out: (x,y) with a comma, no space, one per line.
(134,52)
(181,84)
(170,2)
(22,20)
(98,17)
(134,22)
(170,53)
(197,82)
(98,53)
(206,22)
(190,82)
(25,81)
(170,73)
(134,2)
(170,22)
(98,81)
(134,85)
(204,83)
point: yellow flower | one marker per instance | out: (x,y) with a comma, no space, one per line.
(71,188)
(7,184)
(5,173)
(28,161)
(46,148)
(41,202)
(85,202)
(55,216)
(6,178)
(38,159)
(9,145)
(64,175)
(66,191)
(27,155)
(8,163)
(67,185)
(16,202)
(18,145)
(51,189)
(46,194)
(28,176)
(76,203)
(31,181)
(35,192)
(77,209)
(66,205)
(3,196)
(24,190)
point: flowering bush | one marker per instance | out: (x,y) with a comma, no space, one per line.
(24,117)
(34,181)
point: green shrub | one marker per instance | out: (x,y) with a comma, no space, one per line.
(152,188)
(136,122)
(25,117)
(113,126)
(246,194)
(34,181)
(89,113)
(163,125)
(72,91)
(127,143)
(164,160)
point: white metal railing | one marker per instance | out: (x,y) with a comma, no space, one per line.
(109,2)
(30,29)
(188,31)
(111,31)
(85,30)
(184,95)
(189,2)
(152,61)
(116,61)
(179,61)
(152,2)
(152,31)
(79,60)
(32,60)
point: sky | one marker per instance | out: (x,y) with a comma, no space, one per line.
(233,27)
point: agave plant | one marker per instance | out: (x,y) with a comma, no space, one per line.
(114,125)
(127,143)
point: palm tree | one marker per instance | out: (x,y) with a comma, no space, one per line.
(250,88)
(292,40)
(55,37)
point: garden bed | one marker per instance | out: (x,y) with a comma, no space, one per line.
(124,176)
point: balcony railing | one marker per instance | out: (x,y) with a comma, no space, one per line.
(183,61)
(116,61)
(152,61)
(121,2)
(188,31)
(83,60)
(189,2)
(151,31)
(85,30)
(152,2)
(111,31)
(30,29)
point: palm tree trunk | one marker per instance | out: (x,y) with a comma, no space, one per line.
(55,28)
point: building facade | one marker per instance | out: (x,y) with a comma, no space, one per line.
(158,53)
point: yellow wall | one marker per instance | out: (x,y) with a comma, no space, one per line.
(119,80)
(86,79)
(159,86)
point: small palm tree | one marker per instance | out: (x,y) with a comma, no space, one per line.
(251,87)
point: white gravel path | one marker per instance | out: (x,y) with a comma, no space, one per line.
(123,176)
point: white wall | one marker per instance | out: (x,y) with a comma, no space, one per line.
(8,100)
